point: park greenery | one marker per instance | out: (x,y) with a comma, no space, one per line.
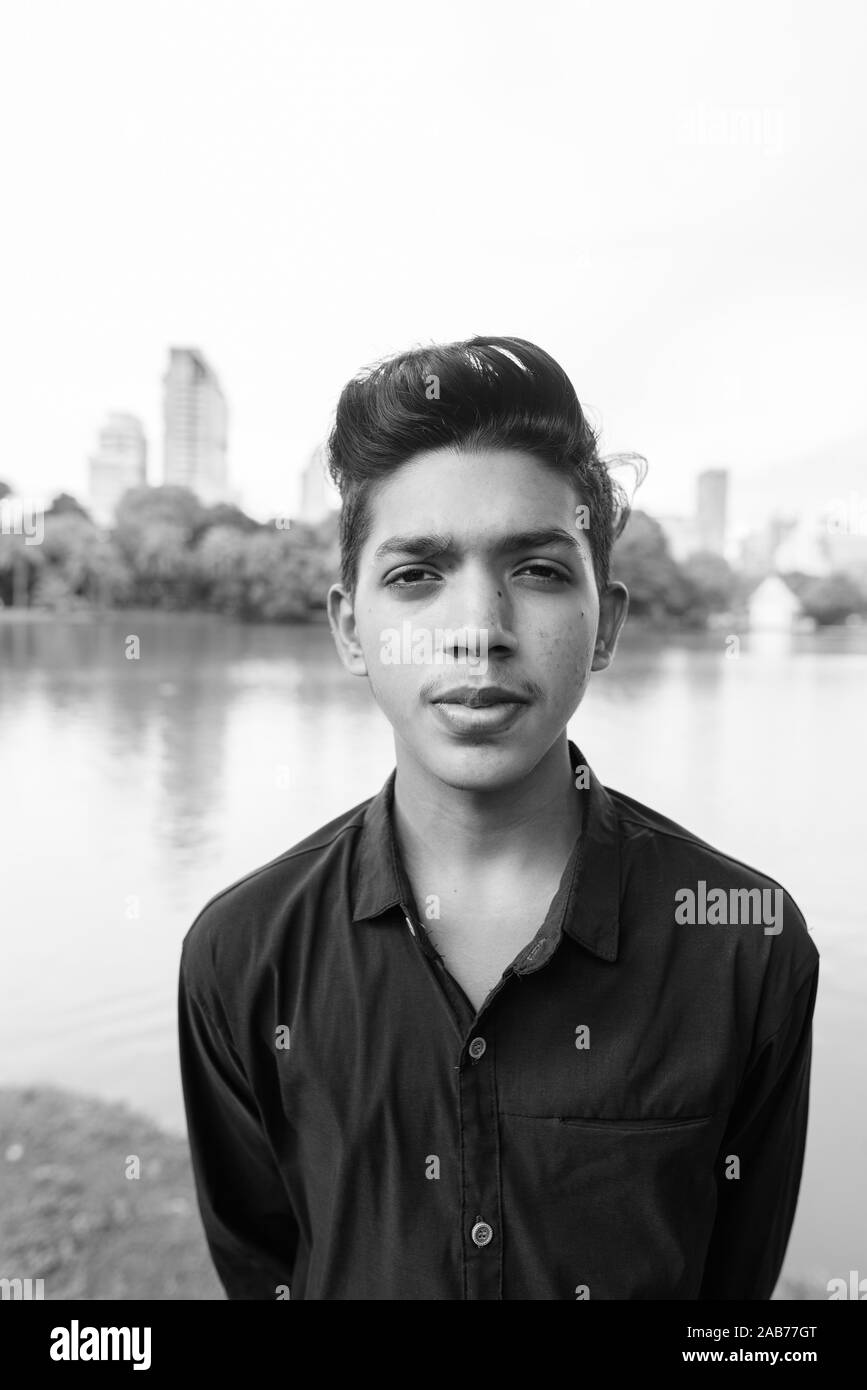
(168,551)
(704,585)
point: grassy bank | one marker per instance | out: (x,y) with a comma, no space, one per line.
(70,1216)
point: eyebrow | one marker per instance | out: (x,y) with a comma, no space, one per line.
(430,545)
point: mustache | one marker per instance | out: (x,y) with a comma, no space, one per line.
(523,690)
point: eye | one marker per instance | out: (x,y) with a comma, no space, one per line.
(410,576)
(547,574)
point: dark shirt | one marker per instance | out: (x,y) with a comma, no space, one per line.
(623,1118)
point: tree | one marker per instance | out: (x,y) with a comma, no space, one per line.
(154,533)
(711,581)
(64,504)
(642,561)
(831,599)
(20,564)
(177,506)
(226,514)
(275,574)
(82,564)
(67,547)
(221,565)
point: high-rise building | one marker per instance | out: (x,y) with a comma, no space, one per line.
(711,503)
(120,462)
(195,422)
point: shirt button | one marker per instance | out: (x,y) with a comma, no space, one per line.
(482,1233)
(477,1048)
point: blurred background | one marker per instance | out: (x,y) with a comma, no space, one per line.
(218,213)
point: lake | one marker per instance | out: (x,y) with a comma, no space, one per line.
(134,790)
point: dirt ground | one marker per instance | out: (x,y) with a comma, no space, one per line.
(71,1216)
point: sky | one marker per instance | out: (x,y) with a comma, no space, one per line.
(669,198)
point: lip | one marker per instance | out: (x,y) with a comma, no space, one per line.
(478,721)
(479,696)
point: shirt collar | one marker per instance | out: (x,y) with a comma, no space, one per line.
(586,904)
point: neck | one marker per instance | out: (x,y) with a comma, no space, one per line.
(537,818)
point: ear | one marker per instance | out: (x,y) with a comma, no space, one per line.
(613,607)
(341,620)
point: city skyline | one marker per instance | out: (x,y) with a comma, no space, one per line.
(120,461)
(195,408)
(816,483)
(785,541)
(700,275)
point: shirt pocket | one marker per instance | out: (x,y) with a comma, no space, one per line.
(623,1206)
(637,1126)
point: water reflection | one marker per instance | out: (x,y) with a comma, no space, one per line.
(155,783)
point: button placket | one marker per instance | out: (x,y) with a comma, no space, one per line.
(479,1127)
(480,1177)
(436,972)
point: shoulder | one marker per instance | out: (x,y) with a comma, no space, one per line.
(748,915)
(243,926)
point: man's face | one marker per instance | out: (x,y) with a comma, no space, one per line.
(476,614)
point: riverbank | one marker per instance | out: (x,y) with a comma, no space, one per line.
(70,1215)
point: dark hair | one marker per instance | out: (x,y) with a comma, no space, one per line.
(483,393)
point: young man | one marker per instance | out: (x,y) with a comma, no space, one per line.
(498,1032)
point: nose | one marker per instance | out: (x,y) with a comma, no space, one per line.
(479,606)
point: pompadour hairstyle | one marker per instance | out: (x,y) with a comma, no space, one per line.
(482,393)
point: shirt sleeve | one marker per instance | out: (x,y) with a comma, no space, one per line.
(247,1216)
(767,1134)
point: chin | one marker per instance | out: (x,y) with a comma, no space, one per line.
(484,766)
